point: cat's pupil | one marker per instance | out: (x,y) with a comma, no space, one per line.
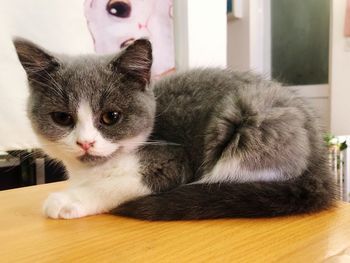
(119,8)
(110,118)
(62,118)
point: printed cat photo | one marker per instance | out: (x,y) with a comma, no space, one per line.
(202,144)
(115,24)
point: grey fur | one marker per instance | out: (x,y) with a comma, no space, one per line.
(265,124)
(205,116)
(223,115)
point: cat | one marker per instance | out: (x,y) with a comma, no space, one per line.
(201,144)
(114,24)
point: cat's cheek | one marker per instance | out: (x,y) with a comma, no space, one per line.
(62,205)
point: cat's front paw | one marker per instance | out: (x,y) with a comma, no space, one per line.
(63,205)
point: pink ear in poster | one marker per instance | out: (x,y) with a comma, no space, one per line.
(114,24)
(347,19)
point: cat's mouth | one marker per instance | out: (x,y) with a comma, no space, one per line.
(89,158)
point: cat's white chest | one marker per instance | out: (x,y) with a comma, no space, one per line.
(99,189)
(124,165)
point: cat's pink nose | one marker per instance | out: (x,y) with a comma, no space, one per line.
(86,145)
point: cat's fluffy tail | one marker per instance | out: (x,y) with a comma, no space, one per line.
(305,194)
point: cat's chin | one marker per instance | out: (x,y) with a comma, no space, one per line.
(90,159)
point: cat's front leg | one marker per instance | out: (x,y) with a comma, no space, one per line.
(94,197)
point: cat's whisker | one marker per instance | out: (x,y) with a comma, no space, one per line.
(57,90)
(54,162)
(165,110)
(28,155)
(154,143)
(60,145)
(34,69)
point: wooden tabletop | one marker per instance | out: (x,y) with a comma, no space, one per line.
(26,236)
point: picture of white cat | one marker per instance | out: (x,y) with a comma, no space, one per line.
(115,24)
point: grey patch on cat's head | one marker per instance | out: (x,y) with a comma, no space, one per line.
(107,83)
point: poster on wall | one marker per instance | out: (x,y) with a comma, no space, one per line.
(114,24)
(347,20)
(73,27)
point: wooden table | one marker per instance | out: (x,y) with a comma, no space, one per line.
(26,236)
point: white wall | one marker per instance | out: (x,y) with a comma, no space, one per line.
(57,25)
(339,71)
(238,41)
(200,33)
(247,38)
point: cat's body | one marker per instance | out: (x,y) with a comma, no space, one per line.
(216,143)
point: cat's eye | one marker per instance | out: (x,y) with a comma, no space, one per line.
(119,8)
(110,118)
(62,118)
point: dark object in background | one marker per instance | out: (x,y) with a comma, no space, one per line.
(10,175)
(54,171)
(25,168)
(300,41)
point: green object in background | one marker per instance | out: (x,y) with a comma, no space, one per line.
(229,6)
(332,140)
(300,41)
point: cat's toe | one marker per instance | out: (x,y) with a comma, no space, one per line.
(53,204)
(74,210)
(61,205)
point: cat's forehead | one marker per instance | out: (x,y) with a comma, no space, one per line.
(87,79)
(87,71)
(89,68)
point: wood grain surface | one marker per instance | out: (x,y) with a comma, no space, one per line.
(26,236)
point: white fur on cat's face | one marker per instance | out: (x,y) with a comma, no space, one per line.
(85,131)
(150,19)
(67,148)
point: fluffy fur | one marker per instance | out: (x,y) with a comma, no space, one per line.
(213,144)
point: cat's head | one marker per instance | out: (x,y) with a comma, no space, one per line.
(87,109)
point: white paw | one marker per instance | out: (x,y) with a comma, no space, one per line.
(63,205)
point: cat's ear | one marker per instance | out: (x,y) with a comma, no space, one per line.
(135,61)
(36,62)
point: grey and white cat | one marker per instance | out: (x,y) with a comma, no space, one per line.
(207,143)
